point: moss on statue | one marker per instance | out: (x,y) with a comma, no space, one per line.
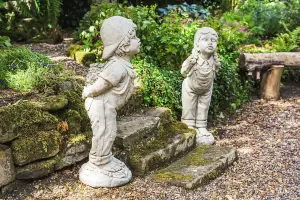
(24,119)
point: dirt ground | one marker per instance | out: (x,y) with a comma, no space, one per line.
(267,138)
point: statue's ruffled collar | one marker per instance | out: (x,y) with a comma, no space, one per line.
(201,61)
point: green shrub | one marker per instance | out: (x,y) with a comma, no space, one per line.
(23,70)
(166,43)
(24,19)
(5,41)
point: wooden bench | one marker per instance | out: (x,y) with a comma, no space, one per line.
(268,68)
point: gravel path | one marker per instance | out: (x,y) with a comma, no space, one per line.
(266,135)
(58,53)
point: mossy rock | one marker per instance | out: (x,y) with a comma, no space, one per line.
(76,103)
(134,103)
(73,119)
(52,103)
(36,170)
(23,118)
(75,149)
(42,145)
(7,168)
(85,58)
(73,48)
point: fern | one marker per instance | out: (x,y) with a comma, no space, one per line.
(50,11)
(295,36)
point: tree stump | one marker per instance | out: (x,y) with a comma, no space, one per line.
(270,83)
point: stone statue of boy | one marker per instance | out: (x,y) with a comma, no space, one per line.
(199,69)
(104,97)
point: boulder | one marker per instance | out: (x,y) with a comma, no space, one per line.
(52,103)
(23,118)
(7,168)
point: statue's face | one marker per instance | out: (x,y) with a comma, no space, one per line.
(134,45)
(207,44)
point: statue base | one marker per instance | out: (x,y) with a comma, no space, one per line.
(204,137)
(113,174)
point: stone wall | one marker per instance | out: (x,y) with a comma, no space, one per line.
(44,134)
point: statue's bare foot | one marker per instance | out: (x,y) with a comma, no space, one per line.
(113,174)
(204,137)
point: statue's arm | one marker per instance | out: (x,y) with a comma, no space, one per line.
(188,64)
(110,77)
(98,88)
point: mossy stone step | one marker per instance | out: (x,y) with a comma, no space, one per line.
(143,163)
(198,167)
(135,128)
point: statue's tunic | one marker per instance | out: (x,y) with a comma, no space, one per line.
(102,109)
(196,92)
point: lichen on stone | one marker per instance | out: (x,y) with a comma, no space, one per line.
(76,138)
(168,176)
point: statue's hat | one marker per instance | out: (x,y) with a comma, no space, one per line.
(112,32)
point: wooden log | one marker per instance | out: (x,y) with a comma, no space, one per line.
(252,61)
(270,83)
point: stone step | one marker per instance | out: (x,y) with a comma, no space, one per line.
(198,167)
(135,128)
(141,126)
(172,140)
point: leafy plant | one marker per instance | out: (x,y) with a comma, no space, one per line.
(166,43)
(193,10)
(5,41)
(23,70)
(28,18)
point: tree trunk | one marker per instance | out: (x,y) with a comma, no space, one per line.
(270,83)
(252,61)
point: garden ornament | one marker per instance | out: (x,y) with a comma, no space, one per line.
(199,70)
(104,97)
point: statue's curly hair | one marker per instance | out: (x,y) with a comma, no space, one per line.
(122,49)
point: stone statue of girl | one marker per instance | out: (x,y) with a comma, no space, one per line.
(199,70)
(104,97)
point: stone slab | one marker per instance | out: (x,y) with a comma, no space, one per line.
(165,114)
(180,145)
(7,169)
(74,152)
(198,167)
(132,129)
(36,170)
